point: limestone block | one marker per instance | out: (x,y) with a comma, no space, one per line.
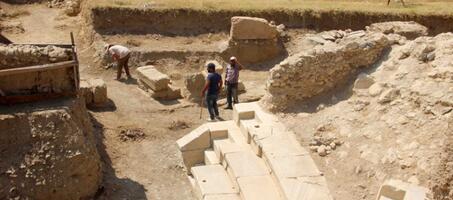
(198,139)
(297,189)
(251,28)
(210,158)
(222,197)
(399,190)
(152,78)
(245,125)
(212,180)
(363,81)
(99,89)
(237,137)
(242,112)
(86,91)
(194,84)
(219,130)
(283,144)
(258,188)
(171,93)
(224,147)
(192,158)
(284,166)
(244,164)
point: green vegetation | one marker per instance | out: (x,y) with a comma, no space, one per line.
(377,6)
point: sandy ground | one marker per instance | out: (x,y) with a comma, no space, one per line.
(146,168)
(150,167)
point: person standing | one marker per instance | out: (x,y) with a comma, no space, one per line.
(231,81)
(212,86)
(120,54)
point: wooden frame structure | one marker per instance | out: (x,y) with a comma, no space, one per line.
(74,64)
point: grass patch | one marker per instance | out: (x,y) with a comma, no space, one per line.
(444,7)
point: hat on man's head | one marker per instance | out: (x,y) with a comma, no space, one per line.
(106,47)
(232,58)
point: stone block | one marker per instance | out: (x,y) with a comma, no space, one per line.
(212,180)
(192,158)
(363,81)
(194,84)
(198,139)
(242,112)
(252,28)
(171,93)
(99,90)
(219,130)
(297,189)
(258,188)
(224,147)
(152,78)
(222,197)
(281,144)
(399,190)
(210,158)
(236,136)
(244,164)
(86,91)
(285,166)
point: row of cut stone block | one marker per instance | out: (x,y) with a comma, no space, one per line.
(262,159)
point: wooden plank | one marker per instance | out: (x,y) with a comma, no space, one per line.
(37,68)
(76,66)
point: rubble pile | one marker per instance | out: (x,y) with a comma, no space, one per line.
(318,70)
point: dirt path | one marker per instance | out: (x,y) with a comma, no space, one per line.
(148,167)
(42,25)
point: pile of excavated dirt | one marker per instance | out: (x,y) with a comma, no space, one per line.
(48,151)
(393,122)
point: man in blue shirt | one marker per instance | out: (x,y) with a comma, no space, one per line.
(213,86)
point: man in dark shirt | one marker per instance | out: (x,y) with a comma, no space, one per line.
(213,86)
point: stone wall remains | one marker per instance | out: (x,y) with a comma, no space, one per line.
(315,71)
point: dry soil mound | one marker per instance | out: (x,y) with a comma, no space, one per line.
(48,153)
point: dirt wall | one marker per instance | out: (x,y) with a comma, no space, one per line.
(48,152)
(109,20)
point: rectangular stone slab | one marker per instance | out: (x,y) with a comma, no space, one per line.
(258,188)
(211,180)
(243,164)
(152,78)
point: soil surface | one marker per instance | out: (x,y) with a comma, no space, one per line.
(136,135)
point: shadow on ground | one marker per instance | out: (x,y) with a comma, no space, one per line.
(114,187)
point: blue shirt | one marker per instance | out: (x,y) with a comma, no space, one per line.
(214,80)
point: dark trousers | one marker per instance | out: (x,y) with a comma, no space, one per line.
(211,102)
(232,94)
(123,63)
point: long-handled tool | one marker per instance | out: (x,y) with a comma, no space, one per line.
(201,107)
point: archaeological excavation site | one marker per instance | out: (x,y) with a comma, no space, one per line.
(317,100)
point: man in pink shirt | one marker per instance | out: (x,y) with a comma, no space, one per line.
(231,81)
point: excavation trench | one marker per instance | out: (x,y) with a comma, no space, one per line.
(171,22)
